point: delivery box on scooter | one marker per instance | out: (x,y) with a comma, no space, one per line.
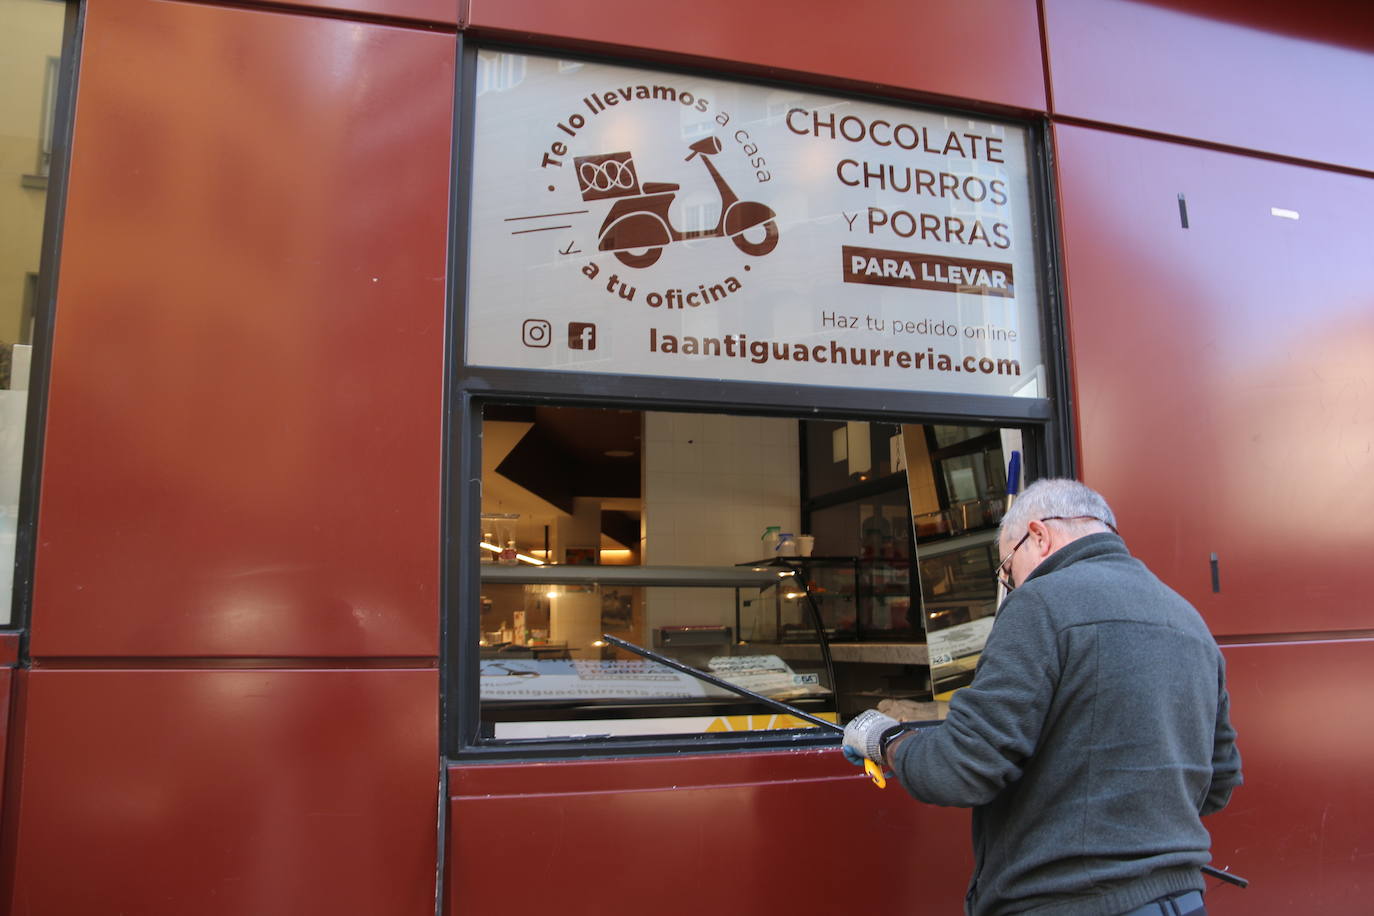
(606,176)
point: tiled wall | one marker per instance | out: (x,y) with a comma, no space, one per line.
(712,484)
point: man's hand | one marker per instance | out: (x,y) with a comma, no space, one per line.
(863,736)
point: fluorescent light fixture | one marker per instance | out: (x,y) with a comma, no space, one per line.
(519,556)
(1286,214)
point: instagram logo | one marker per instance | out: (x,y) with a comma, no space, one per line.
(536,332)
(581,335)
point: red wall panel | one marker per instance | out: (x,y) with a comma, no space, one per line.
(783,832)
(1285,78)
(987,50)
(1299,828)
(268,792)
(1221,372)
(243,435)
(6,688)
(442,11)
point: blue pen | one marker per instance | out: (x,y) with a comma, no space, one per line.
(1013,477)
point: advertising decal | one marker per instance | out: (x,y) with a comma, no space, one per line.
(629,221)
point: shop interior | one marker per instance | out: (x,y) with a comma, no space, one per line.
(833,565)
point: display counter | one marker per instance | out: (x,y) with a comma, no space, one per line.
(722,620)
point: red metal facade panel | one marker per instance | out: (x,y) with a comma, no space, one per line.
(1285,78)
(243,435)
(765,833)
(985,50)
(6,684)
(1221,372)
(9,655)
(441,11)
(268,792)
(1299,827)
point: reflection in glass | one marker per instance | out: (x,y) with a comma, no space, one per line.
(958,497)
(30,47)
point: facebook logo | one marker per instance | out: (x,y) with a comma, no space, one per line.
(581,335)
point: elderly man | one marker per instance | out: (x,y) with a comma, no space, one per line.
(1094,735)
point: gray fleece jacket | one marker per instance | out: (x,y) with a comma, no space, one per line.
(1095,733)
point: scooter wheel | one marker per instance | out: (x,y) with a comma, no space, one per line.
(762,246)
(644,259)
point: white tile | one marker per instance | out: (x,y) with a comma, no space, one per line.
(717,457)
(718,428)
(692,525)
(686,486)
(781,492)
(686,458)
(732,487)
(687,426)
(658,427)
(657,482)
(757,492)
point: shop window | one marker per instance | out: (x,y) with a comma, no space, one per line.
(648,526)
(695,535)
(30,49)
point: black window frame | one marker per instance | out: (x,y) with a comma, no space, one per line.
(56,185)
(1044,422)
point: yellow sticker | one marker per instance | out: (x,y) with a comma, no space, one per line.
(763,723)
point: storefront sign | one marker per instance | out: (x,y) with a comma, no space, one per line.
(634,222)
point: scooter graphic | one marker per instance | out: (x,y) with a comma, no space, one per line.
(638,227)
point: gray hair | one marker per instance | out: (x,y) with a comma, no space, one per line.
(1057,497)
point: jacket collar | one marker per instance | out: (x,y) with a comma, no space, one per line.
(1103,543)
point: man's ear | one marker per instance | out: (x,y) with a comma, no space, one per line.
(1041,537)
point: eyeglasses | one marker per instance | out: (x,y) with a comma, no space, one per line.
(1004,568)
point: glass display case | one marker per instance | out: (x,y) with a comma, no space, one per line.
(546,672)
(959,595)
(858,599)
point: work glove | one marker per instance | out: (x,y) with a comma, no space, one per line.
(865,736)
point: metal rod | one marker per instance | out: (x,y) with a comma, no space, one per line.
(721,683)
(819,622)
(1226,876)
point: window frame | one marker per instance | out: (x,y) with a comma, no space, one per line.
(1044,422)
(55,184)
